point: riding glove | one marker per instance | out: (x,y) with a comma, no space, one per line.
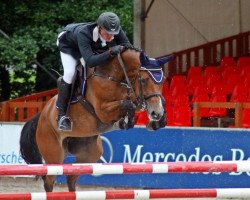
(113,51)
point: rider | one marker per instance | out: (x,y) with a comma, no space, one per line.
(92,43)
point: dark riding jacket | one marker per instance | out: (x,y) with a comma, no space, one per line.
(83,41)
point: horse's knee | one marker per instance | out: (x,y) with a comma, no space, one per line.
(127,105)
(128,113)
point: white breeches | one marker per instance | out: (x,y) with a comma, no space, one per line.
(69,67)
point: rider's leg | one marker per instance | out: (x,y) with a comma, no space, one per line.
(64,93)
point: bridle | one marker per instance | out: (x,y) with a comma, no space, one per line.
(141,100)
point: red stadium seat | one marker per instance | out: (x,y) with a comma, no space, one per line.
(142,118)
(193,83)
(219,88)
(165,90)
(239,93)
(170,115)
(182,116)
(194,71)
(210,71)
(231,81)
(226,71)
(201,97)
(227,61)
(177,80)
(212,82)
(179,90)
(218,112)
(243,61)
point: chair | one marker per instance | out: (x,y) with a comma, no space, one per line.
(194,71)
(181,100)
(212,81)
(226,71)
(178,90)
(165,90)
(201,97)
(219,88)
(142,118)
(177,80)
(245,72)
(170,115)
(227,61)
(175,108)
(193,83)
(200,89)
(210,71)
(243,61)
(218,112)
(239,93)
(247,82)
(182,116)
(231,81)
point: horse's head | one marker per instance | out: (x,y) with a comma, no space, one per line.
(149,90)
(131,77)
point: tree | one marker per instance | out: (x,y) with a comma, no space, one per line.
(29,51)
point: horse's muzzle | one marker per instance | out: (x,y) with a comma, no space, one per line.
(155,125)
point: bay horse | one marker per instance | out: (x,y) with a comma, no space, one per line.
(115,90)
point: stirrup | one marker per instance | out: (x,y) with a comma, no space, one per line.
(65,124)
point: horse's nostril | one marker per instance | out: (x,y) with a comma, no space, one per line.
(155,115)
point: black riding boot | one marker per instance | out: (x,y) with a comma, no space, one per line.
(64,93)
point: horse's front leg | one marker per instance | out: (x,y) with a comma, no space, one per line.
(121,111)
(128,109)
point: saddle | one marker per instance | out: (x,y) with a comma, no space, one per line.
(79,89)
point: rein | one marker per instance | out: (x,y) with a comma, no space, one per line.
(140,100)
(126,75)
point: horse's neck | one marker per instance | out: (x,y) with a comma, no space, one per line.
(113,68)
(132,62)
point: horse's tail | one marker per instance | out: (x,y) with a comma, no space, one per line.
(28,146)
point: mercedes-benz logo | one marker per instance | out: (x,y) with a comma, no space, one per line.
(108,153)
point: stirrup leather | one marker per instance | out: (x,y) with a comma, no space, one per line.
(62,127)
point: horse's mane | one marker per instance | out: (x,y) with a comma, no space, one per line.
(130,47)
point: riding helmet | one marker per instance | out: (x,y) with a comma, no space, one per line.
(110,22)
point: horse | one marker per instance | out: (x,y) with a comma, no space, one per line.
(114,92)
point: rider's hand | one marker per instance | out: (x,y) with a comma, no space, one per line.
(113,51)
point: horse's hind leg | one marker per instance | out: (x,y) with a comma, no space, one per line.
(53,153)
(86,150)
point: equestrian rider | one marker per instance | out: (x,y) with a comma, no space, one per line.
(92,43)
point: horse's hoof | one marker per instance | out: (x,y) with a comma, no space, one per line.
(125,125)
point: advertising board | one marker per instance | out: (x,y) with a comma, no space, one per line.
(166,145)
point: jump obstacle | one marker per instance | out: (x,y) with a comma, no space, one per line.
(129,168)
(132,194)
(126,168)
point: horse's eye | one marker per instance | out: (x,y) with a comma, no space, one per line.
(144,82)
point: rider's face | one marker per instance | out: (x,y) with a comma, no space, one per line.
(107,37)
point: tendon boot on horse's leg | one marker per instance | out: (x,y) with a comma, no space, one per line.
(64,93)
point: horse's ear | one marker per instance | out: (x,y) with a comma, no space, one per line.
(143,59)
(165,59)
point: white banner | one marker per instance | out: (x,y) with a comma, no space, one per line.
(9,144)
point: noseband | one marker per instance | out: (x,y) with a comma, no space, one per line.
(140,101)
